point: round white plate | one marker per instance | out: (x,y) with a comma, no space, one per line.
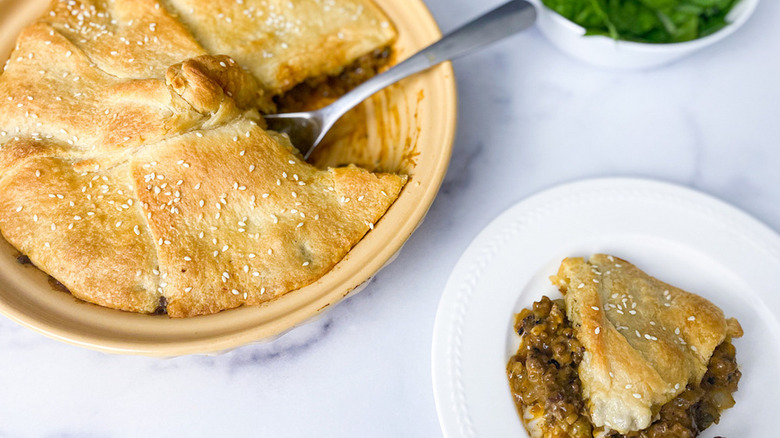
(680,236)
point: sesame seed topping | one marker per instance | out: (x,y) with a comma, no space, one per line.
(637,395)
(598,330)
(691,318)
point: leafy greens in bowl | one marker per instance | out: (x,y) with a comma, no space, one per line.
(639,34)
(646,21)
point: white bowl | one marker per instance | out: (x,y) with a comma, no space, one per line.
(606,52)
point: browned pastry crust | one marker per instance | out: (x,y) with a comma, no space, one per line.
(134,168)
(644,340)
(284,42)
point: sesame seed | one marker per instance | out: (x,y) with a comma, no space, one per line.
(188,258)
(637,395)
(691,318)
(594,307)
(136,230)
(581,286)
(598,330)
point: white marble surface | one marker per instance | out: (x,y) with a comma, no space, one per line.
(530,118)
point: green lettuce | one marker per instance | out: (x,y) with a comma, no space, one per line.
(646,21)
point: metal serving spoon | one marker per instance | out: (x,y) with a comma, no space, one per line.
(307,129)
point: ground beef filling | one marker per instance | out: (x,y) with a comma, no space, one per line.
(320,91)
(543,374)
(544,381)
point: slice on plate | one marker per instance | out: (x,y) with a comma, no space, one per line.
(641,349)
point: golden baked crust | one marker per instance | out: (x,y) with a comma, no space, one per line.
(79,228)
(243,220)
(284,42)
(644,340)
(134,168)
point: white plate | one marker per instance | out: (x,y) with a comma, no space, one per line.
(678,235)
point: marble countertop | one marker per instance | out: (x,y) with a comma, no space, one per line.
(530,118)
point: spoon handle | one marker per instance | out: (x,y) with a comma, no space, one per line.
(510,18)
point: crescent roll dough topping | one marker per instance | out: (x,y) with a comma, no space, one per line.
(134,167)
(644,340)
